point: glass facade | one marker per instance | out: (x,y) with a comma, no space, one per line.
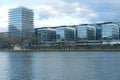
(20,23)
(46,34)
(85,32)
(98,31)
(65,34)
(110,31)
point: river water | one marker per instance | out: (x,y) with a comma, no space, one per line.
(60,65)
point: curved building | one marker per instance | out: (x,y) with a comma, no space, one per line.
(110,30)
(86,32)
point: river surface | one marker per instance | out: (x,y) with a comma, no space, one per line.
(60,65)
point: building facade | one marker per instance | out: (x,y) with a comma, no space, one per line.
(98,31)
(85,32)
(46,34)
(65,33)
(21,23)
(110,30)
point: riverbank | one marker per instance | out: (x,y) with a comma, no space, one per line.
(61,50)
(76,48)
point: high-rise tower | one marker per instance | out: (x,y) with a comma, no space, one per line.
(20,23)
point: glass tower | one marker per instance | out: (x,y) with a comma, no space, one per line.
(20,23)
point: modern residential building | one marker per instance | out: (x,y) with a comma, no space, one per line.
(65,33)
(45,34)
(86,32)
(21,23)
(110,30)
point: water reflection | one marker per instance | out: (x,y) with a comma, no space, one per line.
(4,66)
(59,66)
(66,66)
(20,66)
(48,66)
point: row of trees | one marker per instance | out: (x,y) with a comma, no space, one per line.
(10,42)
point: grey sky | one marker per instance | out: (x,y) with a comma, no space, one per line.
(66,12)
(94,10)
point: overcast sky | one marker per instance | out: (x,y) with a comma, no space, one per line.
(63,12)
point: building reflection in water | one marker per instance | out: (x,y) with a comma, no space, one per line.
(20,66)
(4,66)
(63,66)
(53,66)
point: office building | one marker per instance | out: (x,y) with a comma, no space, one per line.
(98,31)
(86,32)
(21,23)
(65,33)
(45,34)
(110,30)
